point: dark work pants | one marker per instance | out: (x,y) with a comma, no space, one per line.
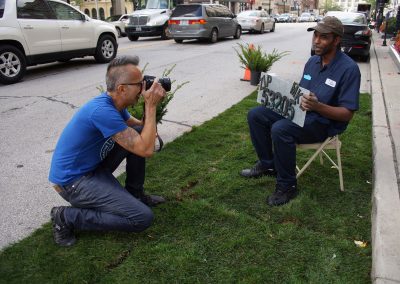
(274,139)
(101,203)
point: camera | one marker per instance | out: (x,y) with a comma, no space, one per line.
(164,81)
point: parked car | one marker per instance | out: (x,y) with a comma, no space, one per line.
(255,20)
(306,17)
(275,16)
(285,18)
(319,18)
(203,21)
(151,21)
(41,31)
(357,34)
(119,21)
(295,18)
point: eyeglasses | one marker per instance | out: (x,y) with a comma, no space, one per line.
(133,84)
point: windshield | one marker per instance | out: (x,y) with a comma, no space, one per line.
(187,11)
(350,18)
(157,4)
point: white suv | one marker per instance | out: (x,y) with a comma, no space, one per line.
(41,31)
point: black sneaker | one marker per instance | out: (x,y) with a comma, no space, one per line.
(257,171)
(62,234)
(152,200)
(282,195)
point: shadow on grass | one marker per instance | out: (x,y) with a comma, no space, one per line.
(216,226)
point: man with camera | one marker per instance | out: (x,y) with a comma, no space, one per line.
(98,138)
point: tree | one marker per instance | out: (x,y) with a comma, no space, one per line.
(329,5)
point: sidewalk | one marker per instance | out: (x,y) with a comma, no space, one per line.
(385,90)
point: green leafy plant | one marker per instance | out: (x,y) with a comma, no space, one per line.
(138,109)
(255,59)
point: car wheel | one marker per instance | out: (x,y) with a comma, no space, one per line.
(166,34)
(273,28)
(262,29)
(106,49)
(178,40)
(119,32)
(133,37)
(12,64)
(238,33)
(364,58)
(214,36)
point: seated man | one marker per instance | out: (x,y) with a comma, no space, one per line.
(333,79)
(96,140)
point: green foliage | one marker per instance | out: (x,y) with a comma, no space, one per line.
(216,226)
(138,109)
(330,5)
(256,59)
(391,29)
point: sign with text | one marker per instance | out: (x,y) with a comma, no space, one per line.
(282,97)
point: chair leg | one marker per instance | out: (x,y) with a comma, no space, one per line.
(339,161)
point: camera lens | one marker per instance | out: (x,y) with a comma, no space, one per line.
(165,82)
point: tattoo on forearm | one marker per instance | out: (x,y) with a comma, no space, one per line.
(126,138)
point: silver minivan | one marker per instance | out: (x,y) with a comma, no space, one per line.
(203,21)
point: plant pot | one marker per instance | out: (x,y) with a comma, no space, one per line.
(255,77)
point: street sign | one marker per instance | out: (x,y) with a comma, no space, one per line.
(282,97)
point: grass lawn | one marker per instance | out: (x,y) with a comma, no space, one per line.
(216,226)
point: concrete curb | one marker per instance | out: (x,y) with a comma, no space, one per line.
(395,56)
(385,198)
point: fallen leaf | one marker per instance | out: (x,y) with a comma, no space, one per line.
(368,182)
(360,244)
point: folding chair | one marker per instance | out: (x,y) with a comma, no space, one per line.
(331,143)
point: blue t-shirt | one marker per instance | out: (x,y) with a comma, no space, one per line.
(86,140)
(336,84)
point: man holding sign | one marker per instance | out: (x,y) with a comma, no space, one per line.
(333,79)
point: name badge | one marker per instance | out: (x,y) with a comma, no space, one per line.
(330,82)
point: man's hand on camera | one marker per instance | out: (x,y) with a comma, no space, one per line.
(154,95)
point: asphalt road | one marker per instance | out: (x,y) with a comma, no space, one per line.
(34,112)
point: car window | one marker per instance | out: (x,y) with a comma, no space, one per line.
(211,11)
(187,11)
(34,9)
(65,12)
(2,4)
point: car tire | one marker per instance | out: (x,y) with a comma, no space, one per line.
(238,33)
(12,64)
(106,49)
(165,33)
(262,29)
(133,37)
(364,58)
(119,32)
(178,40)
(213,36)
(273,28)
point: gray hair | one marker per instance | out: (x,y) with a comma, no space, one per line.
(115,74)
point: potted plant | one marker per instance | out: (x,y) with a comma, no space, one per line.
(256,60)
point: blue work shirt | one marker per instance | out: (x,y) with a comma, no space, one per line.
(336,84)
(86,140)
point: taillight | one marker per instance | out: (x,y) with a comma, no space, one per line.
(197,22)
(173,22)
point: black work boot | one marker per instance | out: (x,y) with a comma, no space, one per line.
(257,171)
(282,195)
(62,234)
(148,199)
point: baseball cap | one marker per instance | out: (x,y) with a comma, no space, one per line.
(328,24)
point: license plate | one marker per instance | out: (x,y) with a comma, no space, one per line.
(184,22)
(139,29)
